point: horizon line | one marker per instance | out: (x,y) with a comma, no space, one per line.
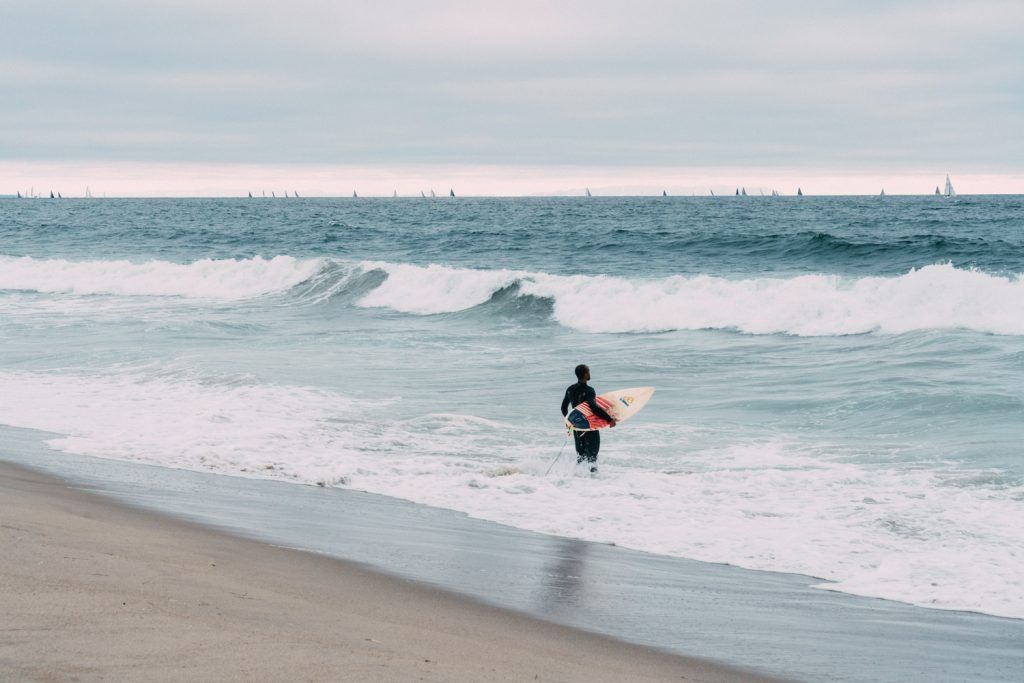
(181,180)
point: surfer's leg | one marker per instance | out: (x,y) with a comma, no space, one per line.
(580,443)
(591,444)
(595,446)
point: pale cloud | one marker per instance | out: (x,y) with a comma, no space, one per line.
(856,85)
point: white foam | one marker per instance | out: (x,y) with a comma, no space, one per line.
(933,297)
(913,534)
(207,278)
(433,289)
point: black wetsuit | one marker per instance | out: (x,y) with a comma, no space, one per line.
(587,443)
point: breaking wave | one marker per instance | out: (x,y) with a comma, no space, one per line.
(204,279)
(933,297)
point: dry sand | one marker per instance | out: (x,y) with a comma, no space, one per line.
(94,590)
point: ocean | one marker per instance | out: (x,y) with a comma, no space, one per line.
(840,380)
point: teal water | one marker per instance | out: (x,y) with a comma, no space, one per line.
(839,379)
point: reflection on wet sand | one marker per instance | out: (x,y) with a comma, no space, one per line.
(563,584)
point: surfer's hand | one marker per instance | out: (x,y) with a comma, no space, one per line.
(612,423)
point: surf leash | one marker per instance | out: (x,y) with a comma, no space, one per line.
(559,456)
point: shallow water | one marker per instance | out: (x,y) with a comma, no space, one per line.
(772,623)
(840,380)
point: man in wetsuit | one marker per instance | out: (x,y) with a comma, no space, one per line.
(587,443)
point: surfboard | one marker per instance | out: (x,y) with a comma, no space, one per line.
(622,405)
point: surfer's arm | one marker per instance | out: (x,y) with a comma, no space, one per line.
(565,403)
(597,409)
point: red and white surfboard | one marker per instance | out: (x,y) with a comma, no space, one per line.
(622,405)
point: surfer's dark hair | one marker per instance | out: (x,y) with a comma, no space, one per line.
(581,370)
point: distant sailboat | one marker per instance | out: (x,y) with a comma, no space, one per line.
(432,195)
(712,192)
(937,193)
(761,191)
(51,195)
(775,193)
(882,193)
(286,194)
(664,194)
(19,194)
(264,193)
(737,192)
(88,192)
(799,192)
(394,195)
(59,196)
(354,195)
(451,193)
(273,195)
(422,194)
(743,192)
(950,192)
(587,190)
(295,193)
(250,195)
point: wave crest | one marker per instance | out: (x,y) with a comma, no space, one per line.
(204,279)
(932,297)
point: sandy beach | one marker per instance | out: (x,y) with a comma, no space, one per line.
(94,590)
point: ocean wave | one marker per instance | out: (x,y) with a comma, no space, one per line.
(203,279)
(933,297)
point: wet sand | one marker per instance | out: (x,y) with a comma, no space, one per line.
(92,589)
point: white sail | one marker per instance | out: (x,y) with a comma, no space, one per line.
(432,195)
(588,192)
(950,192)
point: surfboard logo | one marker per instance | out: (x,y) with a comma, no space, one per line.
(626,400)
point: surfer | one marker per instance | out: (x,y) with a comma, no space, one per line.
(581,395)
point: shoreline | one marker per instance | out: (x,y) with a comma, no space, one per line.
(773,624)
(120,592)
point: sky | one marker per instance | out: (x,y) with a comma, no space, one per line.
(190,97)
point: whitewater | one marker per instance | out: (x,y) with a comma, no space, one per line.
(933,297)
(839,381)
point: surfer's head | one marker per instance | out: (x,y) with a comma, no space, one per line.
(582,373)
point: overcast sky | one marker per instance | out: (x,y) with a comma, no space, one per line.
(863,87)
